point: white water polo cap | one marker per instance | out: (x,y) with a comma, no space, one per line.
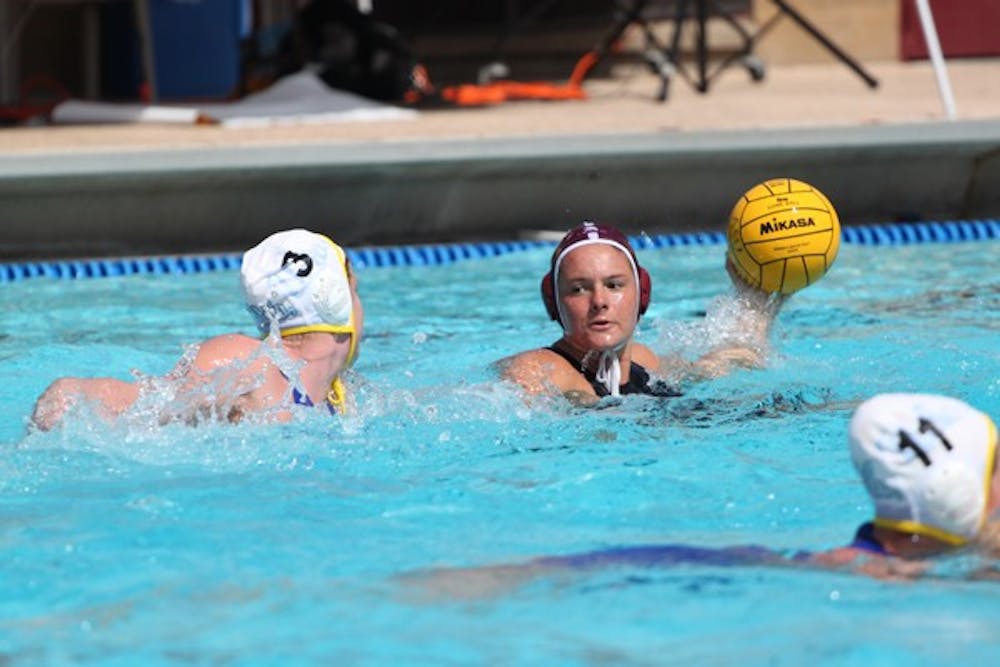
(927,462)
(299,280)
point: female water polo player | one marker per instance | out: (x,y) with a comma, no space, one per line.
(597,291)
(299,287)
(928,463)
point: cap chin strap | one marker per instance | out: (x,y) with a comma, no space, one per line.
(337,396)
(609,371)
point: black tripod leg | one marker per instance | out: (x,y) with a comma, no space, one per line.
(673,55)
(510,26)
(752,63)
(825,41)
(659,62)
(624,18)
(702,13)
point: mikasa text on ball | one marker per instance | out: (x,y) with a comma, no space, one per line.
(783,235)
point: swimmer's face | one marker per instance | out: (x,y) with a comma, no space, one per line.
(598,297)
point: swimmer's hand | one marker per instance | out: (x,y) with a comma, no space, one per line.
(755,314)
(766,303)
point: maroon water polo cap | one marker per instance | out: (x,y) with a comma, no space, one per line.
(585,234)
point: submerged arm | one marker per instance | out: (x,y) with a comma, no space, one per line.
(109,397)
(478,582)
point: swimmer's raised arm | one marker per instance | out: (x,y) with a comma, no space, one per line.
(746,339)
(742,328)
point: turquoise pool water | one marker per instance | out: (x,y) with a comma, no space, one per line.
(135,544)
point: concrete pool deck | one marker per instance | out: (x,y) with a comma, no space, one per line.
(457,174)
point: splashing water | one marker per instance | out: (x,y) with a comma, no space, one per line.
(146,543)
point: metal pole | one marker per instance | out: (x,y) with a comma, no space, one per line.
(937,59)
(10,48)
(148,51)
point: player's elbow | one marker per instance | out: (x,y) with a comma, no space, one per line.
(52,405)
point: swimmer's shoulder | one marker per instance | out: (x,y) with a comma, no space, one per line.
(645,357)
(541,370)
(218,350)
(265,385)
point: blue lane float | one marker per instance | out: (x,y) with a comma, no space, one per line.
(952,231)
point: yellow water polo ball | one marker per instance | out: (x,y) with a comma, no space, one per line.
(783,235)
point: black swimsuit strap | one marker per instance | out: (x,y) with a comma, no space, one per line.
(638,378)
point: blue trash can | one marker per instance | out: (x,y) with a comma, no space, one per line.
(196,47)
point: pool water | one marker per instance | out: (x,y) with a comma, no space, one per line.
(253,544)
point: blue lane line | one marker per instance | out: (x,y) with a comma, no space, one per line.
(435,255)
